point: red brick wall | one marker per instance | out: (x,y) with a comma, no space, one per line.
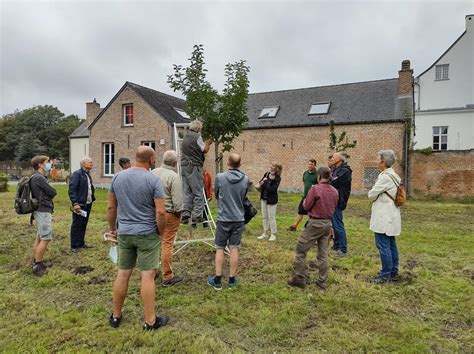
(447,174)
(148,126)
(293,147)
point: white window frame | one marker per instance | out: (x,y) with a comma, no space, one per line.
(442,72)
(313,112)
(110,167)
(151,144)
(438,133)
(125,115)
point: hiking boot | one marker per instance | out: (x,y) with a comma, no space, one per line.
(211,281)
(297,282)
(234,283)
(114,322)
(160,321)
(262,237)
(39,269)
(292,228)
(170,282)
(322,284)
(272,238)
(340,254)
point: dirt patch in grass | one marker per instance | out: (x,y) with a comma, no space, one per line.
(82,270)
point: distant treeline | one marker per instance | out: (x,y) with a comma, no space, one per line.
(39,130)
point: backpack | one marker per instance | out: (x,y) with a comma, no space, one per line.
(401,196)
(24,203)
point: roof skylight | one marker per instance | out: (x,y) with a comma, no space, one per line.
(319,108)
(182,113)
(269,112)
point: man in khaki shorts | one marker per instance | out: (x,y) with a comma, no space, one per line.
(136,204)
(43,217)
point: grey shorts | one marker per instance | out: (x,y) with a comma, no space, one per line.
(44,225)
(229,234)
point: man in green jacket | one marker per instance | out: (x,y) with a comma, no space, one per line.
(310,178)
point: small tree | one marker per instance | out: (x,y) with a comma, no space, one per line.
(341,142)
(223,115)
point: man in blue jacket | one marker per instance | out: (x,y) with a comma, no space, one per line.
(81,194)
(342,181)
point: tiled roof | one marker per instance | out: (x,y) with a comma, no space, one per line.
(81,131)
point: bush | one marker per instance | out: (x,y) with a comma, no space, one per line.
(4,182)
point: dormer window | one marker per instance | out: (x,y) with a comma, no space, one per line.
(319,108)
(442,72)
(269,112)
(128,115)
(182,113)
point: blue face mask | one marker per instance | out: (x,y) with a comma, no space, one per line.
(47,166)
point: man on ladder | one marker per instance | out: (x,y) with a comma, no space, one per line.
(193,149)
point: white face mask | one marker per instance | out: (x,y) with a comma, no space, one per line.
(47,166)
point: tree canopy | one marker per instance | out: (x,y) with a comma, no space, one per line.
(36,130)
(224,115)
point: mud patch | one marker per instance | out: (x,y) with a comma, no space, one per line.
(410,264)
(82,270)
(97,280)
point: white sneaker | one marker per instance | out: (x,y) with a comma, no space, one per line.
(262,237)
(272,238)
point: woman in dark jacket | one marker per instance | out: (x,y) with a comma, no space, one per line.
(269,200)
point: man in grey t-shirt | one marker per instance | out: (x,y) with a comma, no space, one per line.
(136,196)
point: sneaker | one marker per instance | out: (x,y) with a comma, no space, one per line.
(297,282)
(39,269)
(321,283)
(160,321)
(114,322)
(262,237)
(75,250)
(292,228)
(85,245)
(211,282)
(272,238)
(170,282)
(340,254)
(394,278)
(235,283)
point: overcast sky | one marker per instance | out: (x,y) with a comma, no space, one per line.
(65,53)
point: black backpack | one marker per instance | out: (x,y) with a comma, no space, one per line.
(24,203)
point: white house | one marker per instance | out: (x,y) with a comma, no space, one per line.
(444,97)
(78,146)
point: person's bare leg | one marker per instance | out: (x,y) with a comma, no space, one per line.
(35,245)
(120,290)
(148,292)
(41,247)
(219,261)
(234,261)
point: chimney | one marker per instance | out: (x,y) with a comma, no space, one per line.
(92,111)
(405,80)
(469,23)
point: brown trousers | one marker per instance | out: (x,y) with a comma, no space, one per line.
(317,233)
(167,243)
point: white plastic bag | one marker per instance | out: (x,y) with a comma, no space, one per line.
(113,254)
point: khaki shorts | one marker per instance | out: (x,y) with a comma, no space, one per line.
(142,249)
(44,225)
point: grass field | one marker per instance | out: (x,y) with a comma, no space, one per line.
(431,309)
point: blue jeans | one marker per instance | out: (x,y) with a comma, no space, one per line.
(340,237)
(387,246)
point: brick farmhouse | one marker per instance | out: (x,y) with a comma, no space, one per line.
(287,127)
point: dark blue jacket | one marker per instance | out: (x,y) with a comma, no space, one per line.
(342,180)
(78,187)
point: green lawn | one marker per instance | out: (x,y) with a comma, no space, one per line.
(430,310)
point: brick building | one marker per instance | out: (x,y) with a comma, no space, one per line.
(287,127)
